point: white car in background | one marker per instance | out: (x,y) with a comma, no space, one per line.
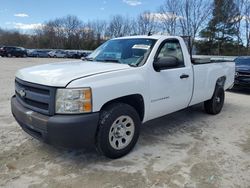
(58,53)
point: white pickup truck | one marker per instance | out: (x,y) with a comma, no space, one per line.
(103,100)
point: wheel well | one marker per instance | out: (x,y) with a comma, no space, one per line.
(136,101)
(221,81)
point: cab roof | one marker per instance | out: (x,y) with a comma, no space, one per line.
(156,37)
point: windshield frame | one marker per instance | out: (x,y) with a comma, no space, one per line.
(141,63)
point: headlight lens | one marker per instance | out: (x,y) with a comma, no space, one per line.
(73,101)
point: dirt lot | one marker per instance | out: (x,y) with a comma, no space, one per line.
(185,149)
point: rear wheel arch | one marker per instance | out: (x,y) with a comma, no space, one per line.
(220,82)
(215,104)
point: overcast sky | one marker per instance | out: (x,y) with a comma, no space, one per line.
(27,14)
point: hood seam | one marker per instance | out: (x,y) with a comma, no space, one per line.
(93,75)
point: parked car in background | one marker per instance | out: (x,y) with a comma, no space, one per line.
(73,54)
(85,53)
(242,72)
(58,53)
(78,54)
(30,52)
(13,51)
(38,53)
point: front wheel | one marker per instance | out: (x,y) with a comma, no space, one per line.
(119,128)
(215,104)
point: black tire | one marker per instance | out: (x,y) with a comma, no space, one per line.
(215,104)
(9,55)
(108,118)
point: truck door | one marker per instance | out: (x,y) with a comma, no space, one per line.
(171,88)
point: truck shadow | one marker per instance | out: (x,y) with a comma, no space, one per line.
(189,120)
(238,90)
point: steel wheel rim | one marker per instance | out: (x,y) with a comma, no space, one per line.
(219,101)
(121,132)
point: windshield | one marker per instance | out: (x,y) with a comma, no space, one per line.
(242,61)
(125,51)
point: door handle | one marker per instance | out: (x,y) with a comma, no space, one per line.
(184,76)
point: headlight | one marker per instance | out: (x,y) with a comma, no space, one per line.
(73,101)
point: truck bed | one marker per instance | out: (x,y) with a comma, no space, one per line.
(203,59)
(206,75)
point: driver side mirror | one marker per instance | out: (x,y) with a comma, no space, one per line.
(163,63)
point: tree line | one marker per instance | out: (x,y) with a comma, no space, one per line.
(216,27)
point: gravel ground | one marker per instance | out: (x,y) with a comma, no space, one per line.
(185,149)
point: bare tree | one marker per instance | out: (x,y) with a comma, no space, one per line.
(13,38)
(146,23)
(119,26)
(99,27)
(72,26)
(134,27)
(246,23)
(194,14)
(193,17)
(238,22)
(56,32)
(185,17)
(169,12)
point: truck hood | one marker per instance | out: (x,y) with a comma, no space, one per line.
(60,74)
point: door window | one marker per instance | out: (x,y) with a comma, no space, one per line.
(171,48)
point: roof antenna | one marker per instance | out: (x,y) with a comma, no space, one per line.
(149,33)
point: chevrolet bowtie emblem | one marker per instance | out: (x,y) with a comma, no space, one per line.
(22,93)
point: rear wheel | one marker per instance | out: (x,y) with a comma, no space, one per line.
(9,55)
(215,104)
(119,128)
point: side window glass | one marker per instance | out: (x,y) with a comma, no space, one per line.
(172,48)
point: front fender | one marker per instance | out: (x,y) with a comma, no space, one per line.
(112,85)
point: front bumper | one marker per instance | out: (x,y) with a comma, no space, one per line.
(73,131)
(242,82)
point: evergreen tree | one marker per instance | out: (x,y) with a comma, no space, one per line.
(221,29)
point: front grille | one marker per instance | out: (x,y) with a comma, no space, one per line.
(36,97)
(243,74)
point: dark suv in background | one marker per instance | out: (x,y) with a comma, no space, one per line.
(10,51)
(242,72)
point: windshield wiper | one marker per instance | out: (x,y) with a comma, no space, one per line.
(88,59)
(132,65)
(111,60)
